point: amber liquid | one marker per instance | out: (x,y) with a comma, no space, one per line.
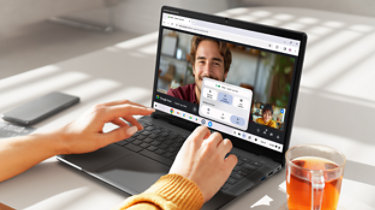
(299,187)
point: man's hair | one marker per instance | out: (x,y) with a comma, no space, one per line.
(267,107)
(223,48)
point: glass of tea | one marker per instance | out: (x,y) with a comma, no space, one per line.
(313,177)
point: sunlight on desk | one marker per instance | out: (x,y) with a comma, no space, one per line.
(38,87)
(28,76)
(139,41)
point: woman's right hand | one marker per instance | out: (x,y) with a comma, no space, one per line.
(202,160)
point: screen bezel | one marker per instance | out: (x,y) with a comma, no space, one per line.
(300,36)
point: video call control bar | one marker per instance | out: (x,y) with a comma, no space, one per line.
(220,127)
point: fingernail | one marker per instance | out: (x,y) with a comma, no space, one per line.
(151,109)
(132,130)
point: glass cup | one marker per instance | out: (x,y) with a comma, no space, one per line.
(313,177)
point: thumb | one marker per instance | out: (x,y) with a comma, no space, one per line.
(119,134)
(230,162)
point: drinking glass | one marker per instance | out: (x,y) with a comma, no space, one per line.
(313,177)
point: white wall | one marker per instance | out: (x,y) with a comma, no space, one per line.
(359,7)
(16,14)
(142,16)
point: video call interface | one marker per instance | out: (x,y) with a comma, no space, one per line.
(237,89)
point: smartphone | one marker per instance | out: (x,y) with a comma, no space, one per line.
(40,108)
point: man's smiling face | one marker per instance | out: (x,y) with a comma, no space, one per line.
(208,63)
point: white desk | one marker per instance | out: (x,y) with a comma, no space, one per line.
(335,107)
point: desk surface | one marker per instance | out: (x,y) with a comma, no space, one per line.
(335,107)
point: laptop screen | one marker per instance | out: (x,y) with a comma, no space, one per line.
(230,79)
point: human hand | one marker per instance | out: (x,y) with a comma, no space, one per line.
(85,134)
(202,160)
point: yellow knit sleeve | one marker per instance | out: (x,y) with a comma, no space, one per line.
(171,191)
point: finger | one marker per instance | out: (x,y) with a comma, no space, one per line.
(119,102)
(126,110)
(118,134)
(208,134)
(225,147)
(215,139)
(119,122)
(230,162)
(134,122)
(199,134)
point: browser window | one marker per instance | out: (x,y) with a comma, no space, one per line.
(232,80)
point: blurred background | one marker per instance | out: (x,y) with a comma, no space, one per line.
(36,33)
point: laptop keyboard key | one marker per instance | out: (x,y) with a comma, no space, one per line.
(242,173)
(122,143)
(153,136)
(169,155)
(244,159)
(237,168)
(156,131)
(225,186)
(231,181)
(248,167)
(137,142)
(133,147)
(236,176)
(144,145)
(155,143)
(148,140)
(256,163)
(240,162)
(171,149)
(145,133)
(136,134)
(152,148)
(163,146)
(164,134)
(149,128)
(159,151)
(146,123)
(141,137)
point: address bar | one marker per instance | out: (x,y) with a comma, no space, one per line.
(235,35)
(251,38)
(211,30)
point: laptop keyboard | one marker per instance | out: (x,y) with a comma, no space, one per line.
(245,167)
(155,142)
(162,145)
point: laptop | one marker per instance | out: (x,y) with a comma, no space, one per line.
(238,78)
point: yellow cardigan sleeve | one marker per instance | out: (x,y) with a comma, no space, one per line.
(171,191)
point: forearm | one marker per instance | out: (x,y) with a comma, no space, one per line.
(21,153)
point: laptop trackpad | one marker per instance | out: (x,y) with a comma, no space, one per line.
(133,173)
(94,160)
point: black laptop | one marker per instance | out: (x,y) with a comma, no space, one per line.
(238,78)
